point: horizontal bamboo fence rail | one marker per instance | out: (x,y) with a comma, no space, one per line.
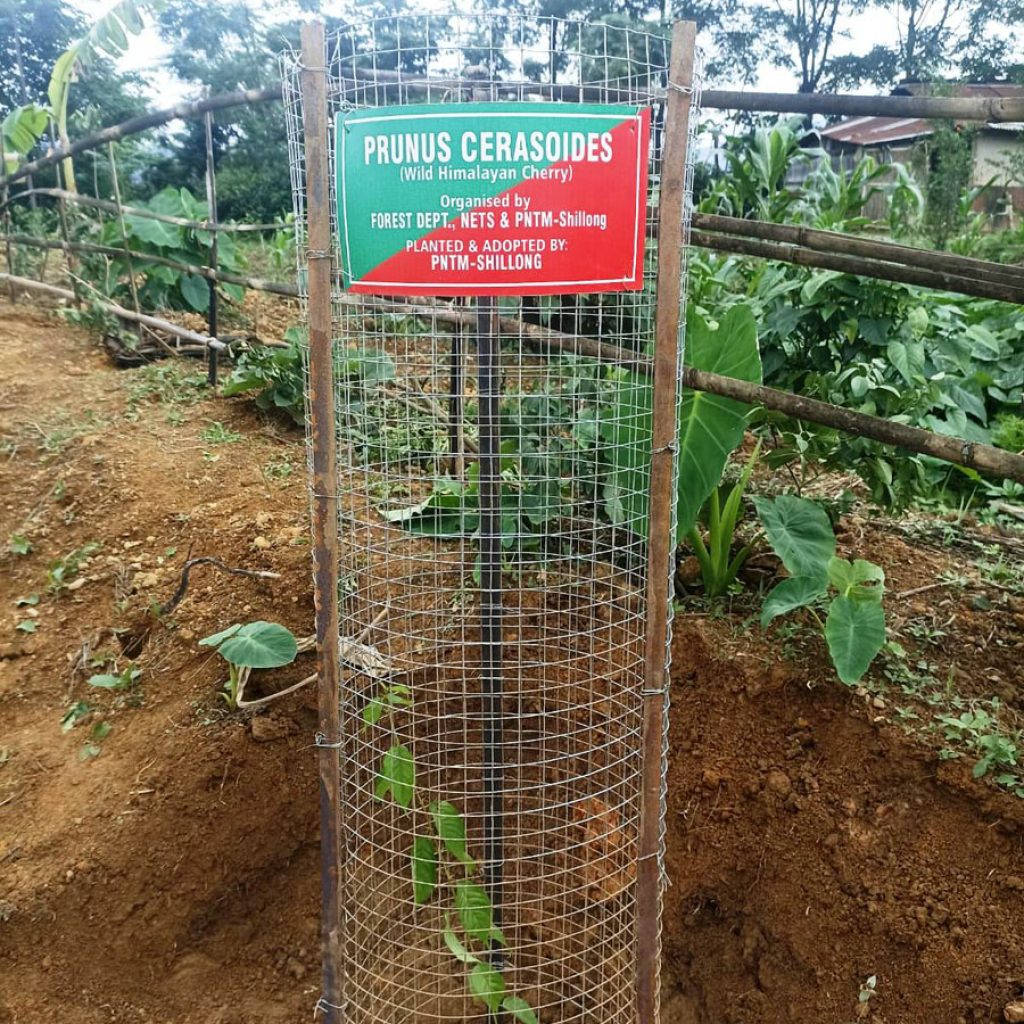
(137,211)
(256,284)
(153,322)
(957,108)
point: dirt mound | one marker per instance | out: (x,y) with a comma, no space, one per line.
(171,875)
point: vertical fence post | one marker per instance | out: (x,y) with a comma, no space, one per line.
(323,440)
(660,542)
(4,199)
(62,209)
(211,216)
(124,226)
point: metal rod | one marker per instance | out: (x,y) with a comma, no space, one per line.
(660,543)
(457,387)
(124,227)
(324,485)
(491,669)
(211,216)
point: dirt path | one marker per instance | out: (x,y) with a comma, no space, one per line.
(172,878)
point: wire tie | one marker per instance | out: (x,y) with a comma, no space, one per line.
(670,447)
(322,1006)
(315,67)
(686,90)
(318,254)
(967,452)
(653,693)
(320,740)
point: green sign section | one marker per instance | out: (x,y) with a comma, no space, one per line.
(405,173)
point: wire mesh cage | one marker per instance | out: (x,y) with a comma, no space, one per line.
(493,607)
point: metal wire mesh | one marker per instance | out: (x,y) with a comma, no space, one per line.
(572,612)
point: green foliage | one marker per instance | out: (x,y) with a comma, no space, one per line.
(801,535)
(254,645)
(122,681)
(19,544)
(275,374)
(949,152)
(718,566)
(164,287)
(63,570)
(1000,752)
(1009,433)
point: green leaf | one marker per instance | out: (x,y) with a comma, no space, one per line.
(487,985)
(520,1009)
(18,544)
(196,291)
(799,532)
(860,580)
(424,868)
(855,632)
(475,913)
(27,626)
(106,682)
(796,592)
(458,950)
(100,731)
(451,829)
(216,638)
(32,600)
(710,426)
(397,775)
(260,645)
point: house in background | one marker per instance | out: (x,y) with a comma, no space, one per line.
(900,140)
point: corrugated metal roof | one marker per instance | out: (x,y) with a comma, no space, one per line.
(876,131)
(879,131)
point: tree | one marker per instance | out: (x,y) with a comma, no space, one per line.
(33,34)
(810,28)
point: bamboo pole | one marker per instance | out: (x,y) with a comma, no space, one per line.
(660,542)
(136,211)
(879,269)
(858,245)
(211,213)
(255,283)
(8,249)
(324,489)
(124,229)
(153,322)
(957,108)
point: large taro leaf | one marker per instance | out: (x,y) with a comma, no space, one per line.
(855,632)
(710,427)
(258,645)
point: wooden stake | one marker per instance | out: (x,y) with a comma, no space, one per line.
(664,428)
(124,227)
(324,501)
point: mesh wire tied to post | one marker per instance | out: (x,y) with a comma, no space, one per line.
(323,1005)
(318,254)
(671,446)
(320,740)
(686,90)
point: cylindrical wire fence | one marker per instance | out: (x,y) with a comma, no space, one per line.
(493,509)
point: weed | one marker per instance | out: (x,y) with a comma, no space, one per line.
(999,752)
(217,433)
(74,715)
(92,746)
(19,544)
(30,602)
(123,681)
(278,469)
(64,570)
(27,626)
(166,383)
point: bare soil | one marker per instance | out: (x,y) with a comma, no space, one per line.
(815,837)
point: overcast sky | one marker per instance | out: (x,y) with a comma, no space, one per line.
(148,53)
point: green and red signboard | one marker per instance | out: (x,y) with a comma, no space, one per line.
(492,198)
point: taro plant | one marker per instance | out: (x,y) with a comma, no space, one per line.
(719,567)
(801,535)
(248,646)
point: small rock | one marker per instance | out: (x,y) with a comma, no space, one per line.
(261,542)
(296,968)
(262,520)
(1013,1012)
(1014,882)
(778,782)
(77,584)
(711,779)
(147,579)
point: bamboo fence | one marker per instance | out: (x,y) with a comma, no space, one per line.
(851,254)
